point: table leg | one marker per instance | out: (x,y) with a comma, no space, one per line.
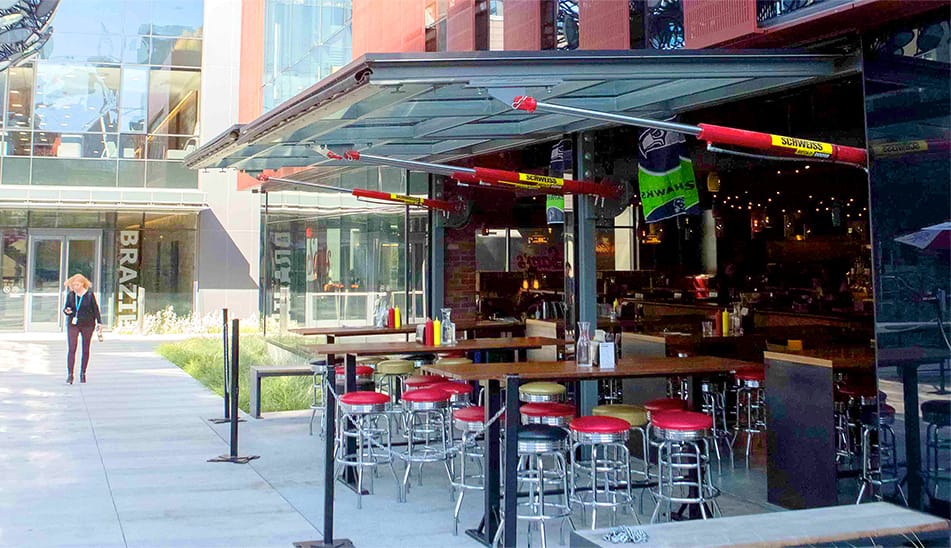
(909,379)
(490,520)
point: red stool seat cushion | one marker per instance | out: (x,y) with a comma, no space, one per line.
(426,395)
(454,388)
(682,420)
(361,370)
(547,410)
(885,409)
(600,425)
(752,374)
(364,397)
(422,380)
(665,404)
(475,413)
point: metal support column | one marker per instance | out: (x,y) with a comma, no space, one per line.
(586,294)
(437,254)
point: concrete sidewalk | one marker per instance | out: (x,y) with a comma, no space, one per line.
(121,461)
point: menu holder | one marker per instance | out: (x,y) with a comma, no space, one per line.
(604,354)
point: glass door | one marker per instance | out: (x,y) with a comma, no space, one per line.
(55,255)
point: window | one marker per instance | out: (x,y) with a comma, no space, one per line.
(173,101)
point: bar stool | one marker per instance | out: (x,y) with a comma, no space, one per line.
(426,430)
(364,375)
(750,405)
(414,382)
(683,462)
(470,421)
(713,391)
(879,453)
(453,361)
(459,392)
(536,442)
(372,361)
(363,418)
(636,416)
(663,404)
(852,398)
(606,438)
(392,373)
(541,392)
(552,414)
(937,413)
(677,387)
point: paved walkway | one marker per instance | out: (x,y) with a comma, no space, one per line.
(121,460)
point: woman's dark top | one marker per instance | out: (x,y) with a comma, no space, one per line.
(88,312)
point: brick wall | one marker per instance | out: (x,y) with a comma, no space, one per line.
(461,272)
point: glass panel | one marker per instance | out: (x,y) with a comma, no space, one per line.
(86,16)
(75,47)
(46,265)
(177,18)
(77,98)
(134,102)
(132,147)
(16,143)
(173,101)
(60,219)
(13,278)
(135,49)
(20,97)
(13,218)
(87,145)
(16,171)
(175,52)
(136,16)
(167,221)
(81,258)
(908,108)
(167,269)
(171,147)
(131,173)
(61,171)
(170,175)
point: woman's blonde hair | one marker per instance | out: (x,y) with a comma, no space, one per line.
(78,278)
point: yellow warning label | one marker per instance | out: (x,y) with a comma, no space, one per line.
(518,185)
(541,180)
(410,200)
(803,147)
(898,148)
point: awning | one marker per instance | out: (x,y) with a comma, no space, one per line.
(441,106)
(155,200)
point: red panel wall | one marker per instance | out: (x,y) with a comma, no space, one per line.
(522,25)
(388,26)
(604,25)
(460,25)
(708,23)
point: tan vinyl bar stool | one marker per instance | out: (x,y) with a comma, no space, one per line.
(636,415)
(453,361)
(391,374)
(370,360)
(541,392)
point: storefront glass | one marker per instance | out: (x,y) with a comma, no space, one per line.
(907,72)
(139,263)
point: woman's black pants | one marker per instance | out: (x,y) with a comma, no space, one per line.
(73,332)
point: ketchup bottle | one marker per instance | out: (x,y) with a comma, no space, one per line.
(428,333)
(391,318)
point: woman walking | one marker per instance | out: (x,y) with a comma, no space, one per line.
(82,318)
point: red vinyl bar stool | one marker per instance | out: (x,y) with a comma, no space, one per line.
(879,453)
(459,392)
(851,398)
(536,444)
(364,374)
(553,414)
(750,405)
(470,421)
(683,462)
(414,382)
(363,418)
(607,471)
(425,427)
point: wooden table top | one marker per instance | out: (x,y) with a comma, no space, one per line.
(816,526)
(568,370)
(413,347)
(850,357)
(358,331)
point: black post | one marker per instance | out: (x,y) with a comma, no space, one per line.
(234,388)
(233,401)
(331,420)
(224,354)
(510,495)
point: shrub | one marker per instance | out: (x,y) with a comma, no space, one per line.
(167,322)
(201,357)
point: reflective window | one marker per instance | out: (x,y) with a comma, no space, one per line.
(76,98)
(173,101)
(84,48)
(75,145)
(175,52)
(170,175)
(135,49)
(177,17)
(170,147)
(20,97)
(86,16)
(13,266)
(134,100)
(78,172)
(17,143)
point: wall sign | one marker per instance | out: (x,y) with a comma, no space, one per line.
(127,292)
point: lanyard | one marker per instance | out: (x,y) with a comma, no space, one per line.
(79,302)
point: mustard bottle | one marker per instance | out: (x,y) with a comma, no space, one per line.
(726,323)
(398,320)
(437,333)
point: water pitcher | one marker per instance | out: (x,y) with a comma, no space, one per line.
(583,344)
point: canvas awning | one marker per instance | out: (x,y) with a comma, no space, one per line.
(443,106)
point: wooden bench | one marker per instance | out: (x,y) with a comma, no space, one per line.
(258,372)
(790,528)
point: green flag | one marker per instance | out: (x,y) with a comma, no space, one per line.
(665,176)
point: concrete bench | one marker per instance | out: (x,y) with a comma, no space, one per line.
(790,528)
(258,372)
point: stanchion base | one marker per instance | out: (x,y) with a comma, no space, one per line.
(337,543)
(223,421)
(236,460)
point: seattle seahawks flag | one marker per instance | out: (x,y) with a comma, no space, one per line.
(665,176)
